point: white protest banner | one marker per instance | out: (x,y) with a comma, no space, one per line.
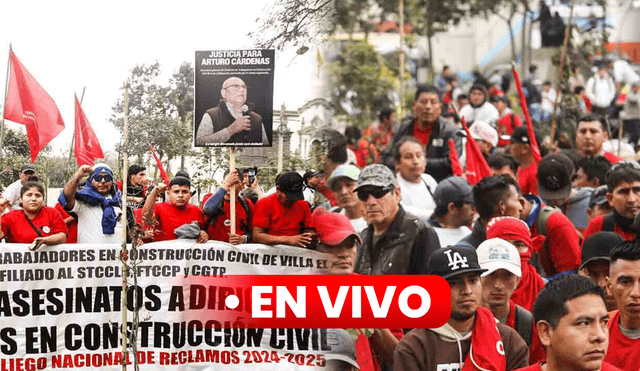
(60,308)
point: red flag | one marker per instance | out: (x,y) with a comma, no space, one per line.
(535,150)
(86,146)
(476,167)
(28,104)
(455,161)
(163,173)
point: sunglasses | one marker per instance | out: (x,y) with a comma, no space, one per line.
(363,194)
(100,178)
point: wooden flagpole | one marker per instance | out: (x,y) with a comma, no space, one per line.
(4,103)
(232,205)
(123,253)
(73,137)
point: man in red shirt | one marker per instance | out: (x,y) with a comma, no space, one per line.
(217,207)
(592,132)
(508,120)
(167,216)
(623,193)
(430,129)
(571,318)
(561,249)
(284,217)
(520,149)
(624,327)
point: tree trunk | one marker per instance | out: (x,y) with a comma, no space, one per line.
(182,161)
(523,48)
(513,41)
(529,47)
(431,71)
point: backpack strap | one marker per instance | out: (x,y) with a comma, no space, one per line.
(608,223)
(524,324)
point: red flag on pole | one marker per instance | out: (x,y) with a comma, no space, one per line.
(86,145)
(535,150)
(476,167)
(28,104)
(163,173)
(456,169)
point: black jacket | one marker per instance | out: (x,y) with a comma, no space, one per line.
(438,162)
(403,249)
(478,235)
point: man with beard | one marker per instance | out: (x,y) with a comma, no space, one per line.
(232,121)
(431,130)
(470,339)
(571,319)
(623,193)
(479,108)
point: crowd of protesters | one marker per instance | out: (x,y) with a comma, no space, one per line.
(542,255)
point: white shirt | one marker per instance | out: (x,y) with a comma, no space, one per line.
(548,99)
(12,194)
(487,112)
(600,90)
(90,224)
(358,225)
(451,236)
(416,198)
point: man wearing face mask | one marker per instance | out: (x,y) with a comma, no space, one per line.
(431,130)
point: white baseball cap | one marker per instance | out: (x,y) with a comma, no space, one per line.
(483,131)
(496,253)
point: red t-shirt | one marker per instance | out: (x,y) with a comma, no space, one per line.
(170,217)
(366,355)
(595,226)
(612,158)
(563,244)
(279,220)
(17,229)
(506,124)
(72,235)
(623,352)
(220,228)
(528,179)
(422,135)
(536,367)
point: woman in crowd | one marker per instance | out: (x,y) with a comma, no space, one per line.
(35,222)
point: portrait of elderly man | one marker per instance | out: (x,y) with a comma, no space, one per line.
(232,121)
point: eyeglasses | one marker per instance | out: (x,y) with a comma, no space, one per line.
(101,178)
(363,194)
(237,86)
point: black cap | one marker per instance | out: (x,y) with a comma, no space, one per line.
(554,177)
(521,135)
(135,169)
(452,261)
(311,173)
(598,197)
(478,87)
(598,246)
(27,167)
(292,184)
(183,174)
(180,180)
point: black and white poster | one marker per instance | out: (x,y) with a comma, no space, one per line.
(234,98)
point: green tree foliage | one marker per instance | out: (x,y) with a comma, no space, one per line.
(158,115)
(362,80)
